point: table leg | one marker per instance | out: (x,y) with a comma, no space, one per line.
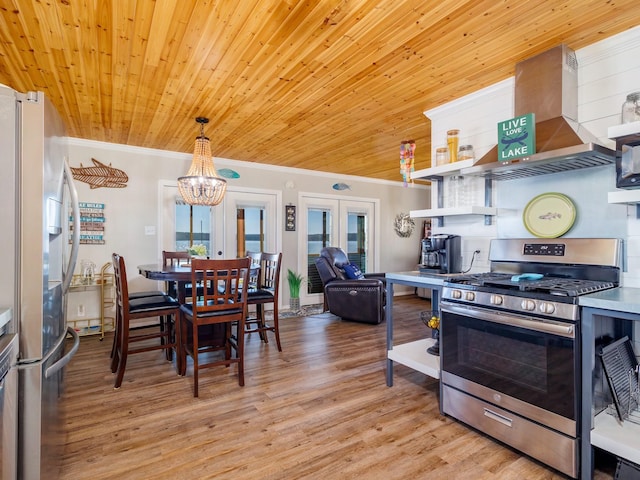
(389,318)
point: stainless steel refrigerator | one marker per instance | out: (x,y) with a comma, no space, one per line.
(37,194)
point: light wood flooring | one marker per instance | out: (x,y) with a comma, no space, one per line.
(318,410)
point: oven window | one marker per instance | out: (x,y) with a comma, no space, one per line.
(535,367)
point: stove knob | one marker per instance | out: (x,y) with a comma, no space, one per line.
(457,294)
(529,305)
(470,296)
(496,299)
(547,308)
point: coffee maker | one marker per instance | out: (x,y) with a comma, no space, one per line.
(441,254)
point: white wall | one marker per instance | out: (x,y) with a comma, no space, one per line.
(129,210)
(607,72)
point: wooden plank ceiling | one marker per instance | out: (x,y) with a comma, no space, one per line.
(331,85)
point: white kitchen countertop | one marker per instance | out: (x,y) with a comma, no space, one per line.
(621,299)
(433,279)
(5,316)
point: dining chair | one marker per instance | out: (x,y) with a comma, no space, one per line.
(222,302)
(175,259)
(135,296)
(255,257)
(128,309)
(265,293)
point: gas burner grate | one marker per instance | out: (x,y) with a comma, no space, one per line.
(567,287)
(575,288)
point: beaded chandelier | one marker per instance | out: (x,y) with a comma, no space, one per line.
(202,185)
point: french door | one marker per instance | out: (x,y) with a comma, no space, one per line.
(335,222)
(246,220)
(249,223)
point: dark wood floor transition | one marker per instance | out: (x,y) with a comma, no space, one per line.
(318,410)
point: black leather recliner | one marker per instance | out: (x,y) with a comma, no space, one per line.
(358,300)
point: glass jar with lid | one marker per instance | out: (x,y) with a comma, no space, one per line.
(631,108)
(442,156)
(465,153)
(452,144)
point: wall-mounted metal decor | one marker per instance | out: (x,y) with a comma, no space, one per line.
(100,175)
(290,218)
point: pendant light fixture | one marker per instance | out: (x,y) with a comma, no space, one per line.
(202,185)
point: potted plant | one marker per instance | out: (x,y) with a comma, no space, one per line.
(198,251)
(295,281)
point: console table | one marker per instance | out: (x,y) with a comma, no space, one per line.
(413,354)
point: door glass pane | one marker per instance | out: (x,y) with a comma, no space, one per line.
(193,227)
(318,237)
(253,230)
(357,240)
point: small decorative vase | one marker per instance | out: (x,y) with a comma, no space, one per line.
(431,320)
(435,348)
(294,304)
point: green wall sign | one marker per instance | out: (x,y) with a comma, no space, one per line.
(517,137)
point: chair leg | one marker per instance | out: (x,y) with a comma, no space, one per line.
(276,326)
(228,333)
(115,357)
(260,322)
(240,354)
(115,335)
(182,352)
(195,359)
(122,363)
(170,338)
(177,342)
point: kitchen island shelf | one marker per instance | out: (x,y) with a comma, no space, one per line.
(414,355)
(622,439)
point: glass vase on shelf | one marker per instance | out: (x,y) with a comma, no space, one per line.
(430,319)
(631,108)
(456,192)
(452,144)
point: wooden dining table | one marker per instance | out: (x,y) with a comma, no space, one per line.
(181,274)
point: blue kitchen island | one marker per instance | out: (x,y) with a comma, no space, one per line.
(414,354)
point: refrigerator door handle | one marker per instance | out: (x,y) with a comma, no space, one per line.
(27,363)
(75,239)
(60,364)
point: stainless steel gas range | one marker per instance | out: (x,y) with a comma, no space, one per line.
(509,343)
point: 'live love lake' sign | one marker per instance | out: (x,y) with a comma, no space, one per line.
(516,137)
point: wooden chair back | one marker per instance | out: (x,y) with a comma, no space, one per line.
(266,293)
(270,272)
(222,283)
(223,299)
(175,258)
(128,309)
(254,276)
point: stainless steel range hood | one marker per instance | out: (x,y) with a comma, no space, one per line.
(547,85)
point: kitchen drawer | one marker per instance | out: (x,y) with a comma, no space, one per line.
(550,447)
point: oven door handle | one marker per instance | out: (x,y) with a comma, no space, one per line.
(546,326)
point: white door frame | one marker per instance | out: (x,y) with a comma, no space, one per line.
(223,240)
(339,205)
(241,197)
